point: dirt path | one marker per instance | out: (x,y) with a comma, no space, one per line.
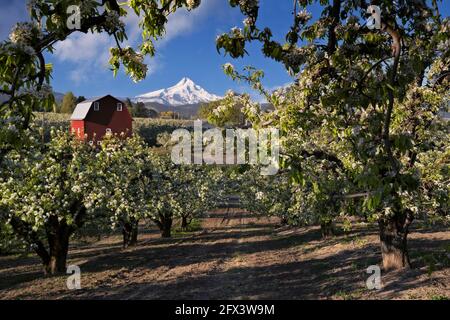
(238,256)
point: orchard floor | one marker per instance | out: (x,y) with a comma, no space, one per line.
(237,256)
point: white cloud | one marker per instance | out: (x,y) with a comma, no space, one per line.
(154,64)
(78,75)
(88,55)
(83,47)
(90,52)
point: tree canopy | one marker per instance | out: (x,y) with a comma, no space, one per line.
(361,121)
(360,127)
(68,103)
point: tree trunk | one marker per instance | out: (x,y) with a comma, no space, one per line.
(327,229)
(166,230)
(58,235)
(184,223)
(134,234)
(164,223)
(393,239)
(58,257)
(58,240)
(130,233)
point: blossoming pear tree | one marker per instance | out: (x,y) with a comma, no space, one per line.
(371,98)
(48,192)
(124,172)
(180,191)
(265,195)
(198,193)
(376,92)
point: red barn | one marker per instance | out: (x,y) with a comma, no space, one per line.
(93,119)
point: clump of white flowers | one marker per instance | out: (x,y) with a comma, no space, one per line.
(56,19)
(220,110)
(18,47)
(22,37)
(444,46)
(192,4)
(10,120)
(237,32)
(228,68)
(303,16)
(280,95)
(445,25)
(133,62)
(10,124)
(228,103)
(250,109)
(248,22)
(140,68)
(24,33)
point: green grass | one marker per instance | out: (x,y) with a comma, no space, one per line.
(356,240)
(433,260)
(356,294)
(194,226)
(439,297)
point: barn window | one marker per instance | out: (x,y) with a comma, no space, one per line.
(96,106)
(119,107)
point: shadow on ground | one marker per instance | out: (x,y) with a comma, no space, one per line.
(236,258)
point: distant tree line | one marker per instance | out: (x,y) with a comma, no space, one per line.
(70,101)
(139,110)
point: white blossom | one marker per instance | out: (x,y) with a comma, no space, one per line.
(192,4)
(24,33)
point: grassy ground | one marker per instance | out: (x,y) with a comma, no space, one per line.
(238,257)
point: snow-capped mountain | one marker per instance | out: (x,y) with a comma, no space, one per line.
(185,92)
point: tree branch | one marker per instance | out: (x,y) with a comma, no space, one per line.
(396,51)
(25,231)
(332,39)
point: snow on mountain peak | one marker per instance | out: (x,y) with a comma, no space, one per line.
(186,81)
(185,92)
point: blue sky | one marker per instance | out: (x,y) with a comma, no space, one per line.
(188,50)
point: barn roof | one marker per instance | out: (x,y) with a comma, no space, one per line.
(82,109)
